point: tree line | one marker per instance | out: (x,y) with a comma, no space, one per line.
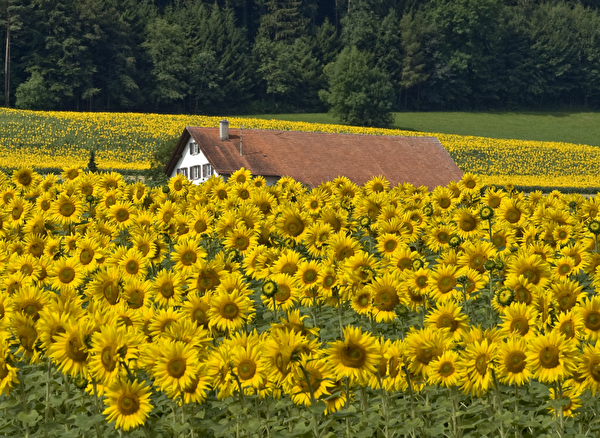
(251,56)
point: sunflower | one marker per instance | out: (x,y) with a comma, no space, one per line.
(443,198)
(335,218)
(385,292)
(443,281)
(122,214)
(106,285)
(551,357)
(387,244)
(590,312)
(287,294)
(512,211)
(66,209)
(66,274)
(69,351)
(8,373)
(176,366)
(317,237)
(250,371)
(128,404)
(110,347)
(342,247)
(532,267)
(421,346)
(589,367)
(310,381)
(287,263)
(512,362)
(376,184)
(570,324)
(30,300)
(277,351)
(167,288)
(18,211)
(25,177)
(437,237)
(524,291)
(229,311)
(446,369)
(356,357)
(292,223)
(478,360)
(475,254)
(567,294)
(519,319)
(467,223)
(448,317)
(207,276)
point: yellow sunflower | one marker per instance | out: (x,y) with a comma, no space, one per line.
(448,316)
(551,357)
(229,311)
(176,366)
(69,351)
(512,362)
(446,369)
(356,357)
(478,365)
(521,320)
(128,404)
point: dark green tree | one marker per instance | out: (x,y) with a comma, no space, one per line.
(359,93)
(92,167)
(165,46)
(10,19)
(33,94)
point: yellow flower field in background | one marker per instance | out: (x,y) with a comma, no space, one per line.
(124,142)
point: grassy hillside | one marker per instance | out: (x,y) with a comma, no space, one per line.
(561,126)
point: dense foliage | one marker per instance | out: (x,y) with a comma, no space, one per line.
(270,55)
(237,309)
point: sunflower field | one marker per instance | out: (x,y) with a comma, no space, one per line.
(124,142)
(237,309)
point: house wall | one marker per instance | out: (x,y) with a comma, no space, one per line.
(187,161)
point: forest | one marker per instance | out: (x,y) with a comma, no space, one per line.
(258,56)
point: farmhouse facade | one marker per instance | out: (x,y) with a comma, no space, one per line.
(310,157)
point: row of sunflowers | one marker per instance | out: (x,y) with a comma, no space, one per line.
(125,142)
(236,308)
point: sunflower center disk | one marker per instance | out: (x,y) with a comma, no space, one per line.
(549,357)
(176,367)
(353,356)
(128,404)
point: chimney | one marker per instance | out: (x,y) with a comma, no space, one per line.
(224,129)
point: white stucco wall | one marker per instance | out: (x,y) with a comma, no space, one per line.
(188,160)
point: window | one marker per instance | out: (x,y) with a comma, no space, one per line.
(182,171)
(206,170)
(194,150)
(195,172)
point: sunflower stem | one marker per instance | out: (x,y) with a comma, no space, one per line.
(312,401)
(24,401)
(561,418)
(412,398)
(340,314)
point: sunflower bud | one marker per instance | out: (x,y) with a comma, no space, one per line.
(417,264)
(594,227)
(486,213)
(505,296)
(269,288)
(489,265)
(454,241)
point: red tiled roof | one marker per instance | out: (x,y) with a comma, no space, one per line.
(312,158)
